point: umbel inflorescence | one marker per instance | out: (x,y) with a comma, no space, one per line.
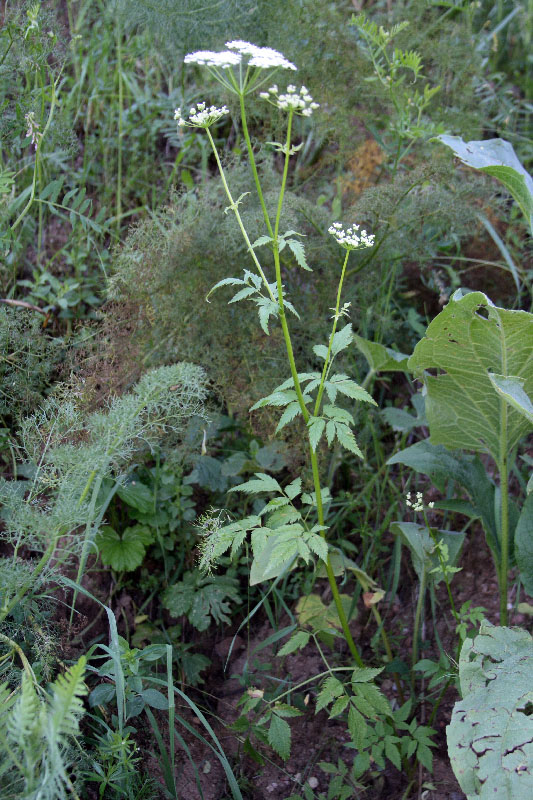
(238,52)
(300,102)
(351,238)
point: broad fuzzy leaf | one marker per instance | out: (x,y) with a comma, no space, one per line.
(421,545)
(468,339)
(524,544)
(512,390)
(490,737)
(497,157)
(121,553)
(381,358)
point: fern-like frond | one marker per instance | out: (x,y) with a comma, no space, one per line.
(66,704)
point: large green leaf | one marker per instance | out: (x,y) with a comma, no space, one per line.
(379,357)
(490,737)
(497,157)
(441,465)
(524,544)
(468,339)
(422,546)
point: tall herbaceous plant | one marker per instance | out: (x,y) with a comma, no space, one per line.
(292,524)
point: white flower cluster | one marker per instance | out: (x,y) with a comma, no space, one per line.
(208,58)
(351,238)
(261,57)
(300,102)
(200,116)
(418,504)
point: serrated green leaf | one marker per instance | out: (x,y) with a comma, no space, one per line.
(317,544)
(137,495)
(339,706)
(329,691)
(279,736)
(297,642)
(246,292)
(342,339)
(331,432)
(294,488)
(266,308)
(365,674)
(290,413)
(262,241)
(298,252)
(265,483)
(357,727)
(351,389)
(392,753)
(347,439)
(315,427)
(321,351)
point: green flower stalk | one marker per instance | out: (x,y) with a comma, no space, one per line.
(240,69)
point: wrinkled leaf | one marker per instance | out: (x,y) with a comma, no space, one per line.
(490,737)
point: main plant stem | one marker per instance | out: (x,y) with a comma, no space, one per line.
(287,337)
(504,490)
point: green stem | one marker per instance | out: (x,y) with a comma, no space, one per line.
(330,344)
(504,489)
(418,615)
(235,209)
(253,165)
(314,461)
(118,203)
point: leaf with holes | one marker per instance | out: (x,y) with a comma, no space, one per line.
(490,737)
(468,339)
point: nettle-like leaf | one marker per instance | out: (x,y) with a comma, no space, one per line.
(279,736)
(490,737)
(204,599)
(298,641)
(469,339)
(497,157)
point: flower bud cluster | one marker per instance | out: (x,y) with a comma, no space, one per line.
(261,57)
(200,116)
(418,504)
(300,102)
(351,238)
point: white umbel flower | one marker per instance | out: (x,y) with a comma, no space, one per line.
(261,57)
(300,102)
(351,238)
(201,116)
(208,58)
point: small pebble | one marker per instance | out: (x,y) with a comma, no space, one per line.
(313,782)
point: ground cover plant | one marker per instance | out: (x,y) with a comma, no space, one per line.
(267,400)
